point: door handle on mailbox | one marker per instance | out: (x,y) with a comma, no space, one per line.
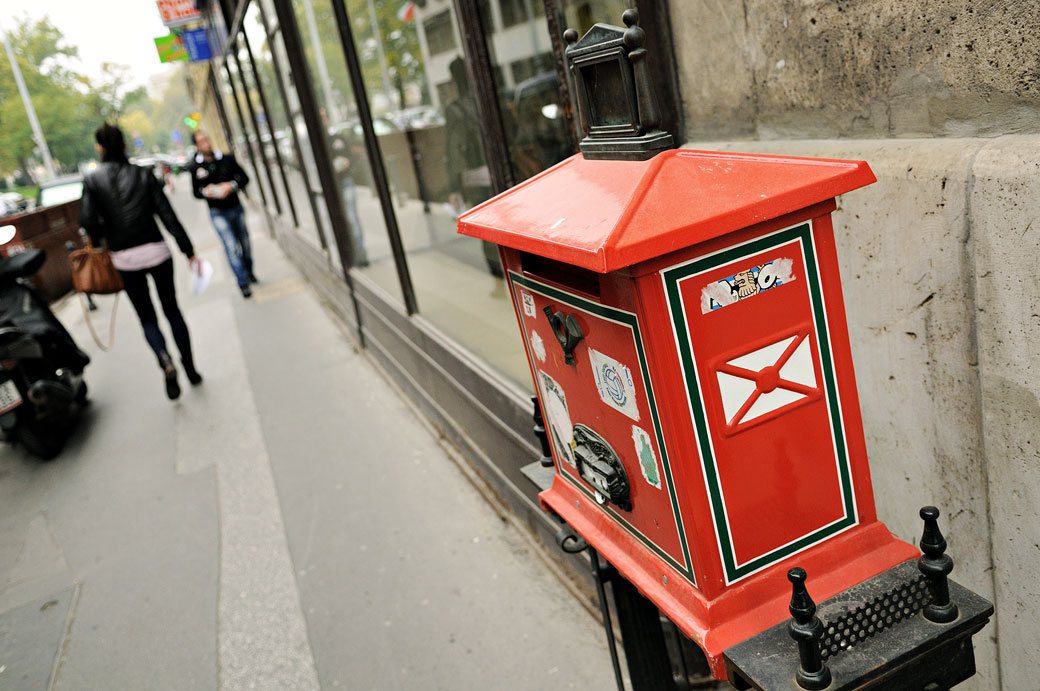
(566,330)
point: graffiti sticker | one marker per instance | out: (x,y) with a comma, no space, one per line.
(557,418)
(614,383)
(746,284)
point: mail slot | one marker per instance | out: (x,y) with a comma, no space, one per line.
(683,318)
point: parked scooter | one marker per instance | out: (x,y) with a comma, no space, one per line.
(41,368)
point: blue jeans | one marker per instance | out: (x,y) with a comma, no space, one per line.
(231,227)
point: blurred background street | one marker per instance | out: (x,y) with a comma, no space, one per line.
(290,524)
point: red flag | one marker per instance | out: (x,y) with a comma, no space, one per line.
(406,12)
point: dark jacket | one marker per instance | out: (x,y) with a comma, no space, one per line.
(119,204)
(221,168)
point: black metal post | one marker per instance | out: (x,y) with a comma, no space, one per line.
(245,131)
(320,146)
(417,167)
(290,118)
(598,575)
(482,88)
(572,543)
(807,629)
(375,156)
(256,128)
(218,101)
(649,668)
(555,23)
(936,565)
(270,129)
(540,433)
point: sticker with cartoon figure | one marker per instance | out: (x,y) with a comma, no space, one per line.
(614,383)
(528,300)
(557,418)
(647,457)
(537,346)
(746,284)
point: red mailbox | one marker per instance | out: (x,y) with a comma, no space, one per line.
(684,324)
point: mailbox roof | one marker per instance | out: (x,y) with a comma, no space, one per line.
(606,215)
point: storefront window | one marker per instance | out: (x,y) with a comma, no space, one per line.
(238,140)
(283,140)
(304,170)
(248,139)
(580,15)
(430,139)
(260,136)
(367,228)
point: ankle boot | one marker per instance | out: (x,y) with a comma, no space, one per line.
(193,374)
(173,389)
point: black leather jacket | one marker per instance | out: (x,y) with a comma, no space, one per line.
(119,204)
(221,168)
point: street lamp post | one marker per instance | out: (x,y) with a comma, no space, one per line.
(34,122)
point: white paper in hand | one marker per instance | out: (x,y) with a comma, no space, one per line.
(201,276)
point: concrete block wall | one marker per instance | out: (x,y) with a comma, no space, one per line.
(938,258)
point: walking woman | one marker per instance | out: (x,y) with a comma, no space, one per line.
(119,205)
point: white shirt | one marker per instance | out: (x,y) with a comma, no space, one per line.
(141,257)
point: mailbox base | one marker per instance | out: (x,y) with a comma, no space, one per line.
(911,654)
(744,609)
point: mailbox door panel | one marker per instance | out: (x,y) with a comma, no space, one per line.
(605,398)
(751,331)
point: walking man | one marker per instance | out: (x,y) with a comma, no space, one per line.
(217,178)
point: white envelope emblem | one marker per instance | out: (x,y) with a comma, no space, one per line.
(767,379)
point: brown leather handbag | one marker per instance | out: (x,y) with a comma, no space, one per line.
(93,272)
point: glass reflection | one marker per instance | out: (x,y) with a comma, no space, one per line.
(283,139)
(430,137)
(366,226)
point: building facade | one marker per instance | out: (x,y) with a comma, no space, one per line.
(370,125)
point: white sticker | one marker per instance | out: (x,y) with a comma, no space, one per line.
(614,383)
(537,346)
(647,457)
(557,419)
(528,301)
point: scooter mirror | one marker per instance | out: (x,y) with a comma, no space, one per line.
(7,234)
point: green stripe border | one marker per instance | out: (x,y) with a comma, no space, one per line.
(632,322)
(672,277)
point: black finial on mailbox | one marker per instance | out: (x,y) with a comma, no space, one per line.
(936,565)
(539,431)
(614,90)
(807,630)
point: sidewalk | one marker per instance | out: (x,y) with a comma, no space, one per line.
(291,524)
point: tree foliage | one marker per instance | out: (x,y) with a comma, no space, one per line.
(63,100)
(70,106)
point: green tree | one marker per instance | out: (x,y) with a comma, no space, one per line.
(61,97)
(166,111)
(400,46)
(112,97)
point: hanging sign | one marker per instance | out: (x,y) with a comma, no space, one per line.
(171,48)
(177,12)
(197,43)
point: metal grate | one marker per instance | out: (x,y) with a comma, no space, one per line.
(883,612)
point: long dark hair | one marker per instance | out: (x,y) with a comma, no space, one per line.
(111,139)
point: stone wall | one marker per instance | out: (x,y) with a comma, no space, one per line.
(838,68)
(938,258)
